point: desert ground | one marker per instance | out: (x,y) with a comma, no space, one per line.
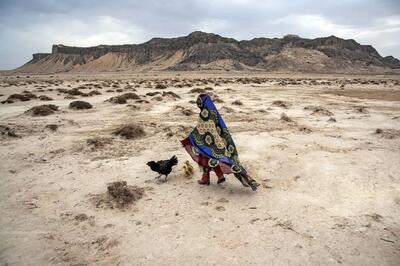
(325,150)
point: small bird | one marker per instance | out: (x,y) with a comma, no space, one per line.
(163,167)
(188,169)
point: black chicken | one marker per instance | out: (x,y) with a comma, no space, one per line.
(163,167)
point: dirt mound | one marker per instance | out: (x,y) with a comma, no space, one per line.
(381,94)
(318,110)
(157,98)
(160,86)
(280,103)
(69,97)
(74,91)
(217,99)
(184,111)
(42,110)
(361,109)
(25,96)
(130,131)
(98,142)
(188,112)
(171,94)
(45,98)
(227,109)
(197,90)
(237,102)
(285,118)
(8,131)
(52,127)
(153,93)
(92,93)
(388,133)
(80,105)
(118,196)
(121,99)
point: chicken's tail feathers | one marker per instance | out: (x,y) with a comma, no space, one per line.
(174,160)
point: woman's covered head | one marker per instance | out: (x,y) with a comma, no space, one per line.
(202,99)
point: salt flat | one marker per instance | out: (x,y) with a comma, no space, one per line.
(329,176)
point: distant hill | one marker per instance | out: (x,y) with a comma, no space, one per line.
(207,51)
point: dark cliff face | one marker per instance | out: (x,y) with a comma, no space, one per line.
(39,56)
(200,48)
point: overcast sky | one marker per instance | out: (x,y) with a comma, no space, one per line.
(31,26)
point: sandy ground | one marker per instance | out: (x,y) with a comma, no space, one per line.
(329,191)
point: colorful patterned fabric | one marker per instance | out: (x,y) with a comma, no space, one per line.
(211,145)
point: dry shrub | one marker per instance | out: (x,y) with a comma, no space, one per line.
(52,127)
(95,92)
(157,98)
(188,112)
(121,99)
(160,86)
(25,96)
(119,195)
(388,133)
(98,142)
(362,109)
(153,93)
(80,105)
(318,110)
(237,102)
(74,91)
(8,131)
(142,101)
(227,109)
(171,94)
(130,131)
(197,90)
(280,103)
(45,98)
(305,129)
(69,97)
(42,110)
(285,118)
(217,99)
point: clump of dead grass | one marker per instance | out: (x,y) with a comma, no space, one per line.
(388,133)
(318,110)
(118,196)
(281,104)
(121,99)
(130,131)
(42,110)
(286,118)
(80,105)
(237,102)
(97,143)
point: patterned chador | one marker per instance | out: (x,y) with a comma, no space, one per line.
(210,144)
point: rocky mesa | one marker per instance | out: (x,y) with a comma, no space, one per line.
(200,51)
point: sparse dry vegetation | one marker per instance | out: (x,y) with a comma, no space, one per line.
(42,110)
(130,131)
(80,105)
(337,133)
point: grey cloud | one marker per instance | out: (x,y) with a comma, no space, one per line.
(33,26)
